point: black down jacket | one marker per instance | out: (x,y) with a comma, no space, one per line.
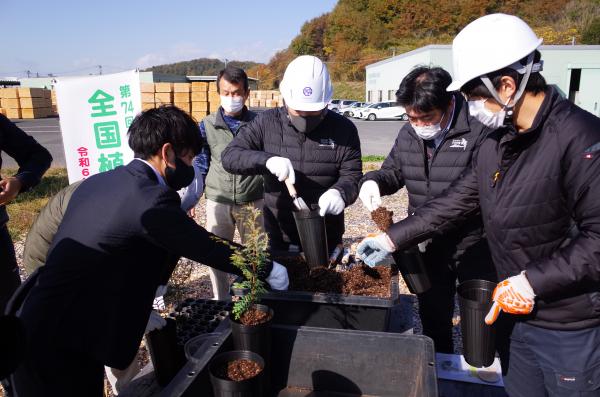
(534,189)
(328,157)
(408,165)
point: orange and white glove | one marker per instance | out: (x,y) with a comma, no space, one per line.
(513,295)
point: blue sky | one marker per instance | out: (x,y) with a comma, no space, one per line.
(73,37)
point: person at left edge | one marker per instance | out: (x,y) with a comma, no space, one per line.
(92,299)
(33,160)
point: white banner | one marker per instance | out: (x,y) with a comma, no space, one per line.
(95,114)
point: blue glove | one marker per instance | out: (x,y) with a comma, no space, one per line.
(374,250)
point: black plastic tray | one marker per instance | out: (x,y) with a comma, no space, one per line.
(317,309)
(310,361)
(191,318)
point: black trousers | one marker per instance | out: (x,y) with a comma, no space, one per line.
(436,306)
(9,272)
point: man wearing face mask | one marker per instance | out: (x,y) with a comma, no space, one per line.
(227,194)
(430,152)
(90,304)
(536,181)
(317,150)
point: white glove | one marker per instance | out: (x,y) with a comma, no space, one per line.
(278,279)
(155,322)
(159,300)
(331,202)
(374,250)
(282,168)
(369,195)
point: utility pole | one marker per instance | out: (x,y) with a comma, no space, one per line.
(28,73)
(226,60)
(99,69)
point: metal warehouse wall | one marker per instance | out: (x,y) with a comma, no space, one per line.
(559,61)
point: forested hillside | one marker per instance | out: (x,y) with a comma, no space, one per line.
(359,32)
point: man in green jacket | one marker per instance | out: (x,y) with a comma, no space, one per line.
(227,194)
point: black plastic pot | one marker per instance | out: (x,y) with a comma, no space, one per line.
(411,266)
(252,387)
(313,237)
(255,338)
(166,354)
(475,300)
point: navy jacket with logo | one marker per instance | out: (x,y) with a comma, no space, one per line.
(327,158)
(408,165)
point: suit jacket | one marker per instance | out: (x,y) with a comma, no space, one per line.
(109,255)
(33,158)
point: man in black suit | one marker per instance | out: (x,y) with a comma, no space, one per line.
(33,160)
(91,302)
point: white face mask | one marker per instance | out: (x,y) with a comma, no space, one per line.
(493,120)
(428,132)
(232,104)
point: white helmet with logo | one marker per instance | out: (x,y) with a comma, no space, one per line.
(490,43)
(306,85)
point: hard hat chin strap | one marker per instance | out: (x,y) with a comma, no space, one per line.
(508,117)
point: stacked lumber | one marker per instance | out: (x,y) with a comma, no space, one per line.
(54,103)
(265,99)
(181,96)
(26,103)
(199,99)
(147,93)
(163,94)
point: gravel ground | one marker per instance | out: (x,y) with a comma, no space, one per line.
(191,279)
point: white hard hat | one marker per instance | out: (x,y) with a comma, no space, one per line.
(490,43)
(306,85)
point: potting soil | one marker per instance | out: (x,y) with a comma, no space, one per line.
(255,317)
(359,279)
(239,370)
(382,218)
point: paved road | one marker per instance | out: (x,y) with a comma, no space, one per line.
(377,137)
(47,133)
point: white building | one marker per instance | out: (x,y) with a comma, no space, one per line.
(574,69)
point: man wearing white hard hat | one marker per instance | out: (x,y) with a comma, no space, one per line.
(536,181)
(317,150)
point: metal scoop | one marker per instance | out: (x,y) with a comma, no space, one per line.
(298,201)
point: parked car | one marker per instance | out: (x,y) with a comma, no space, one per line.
(357,113)
(348,111)
(384,110)
(336,104)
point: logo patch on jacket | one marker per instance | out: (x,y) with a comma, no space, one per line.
(327,142)
(459,143)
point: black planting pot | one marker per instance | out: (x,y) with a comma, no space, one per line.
(166,354)
(475,301)
(411,266)
(255,338)
(313,237)
(252,387)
